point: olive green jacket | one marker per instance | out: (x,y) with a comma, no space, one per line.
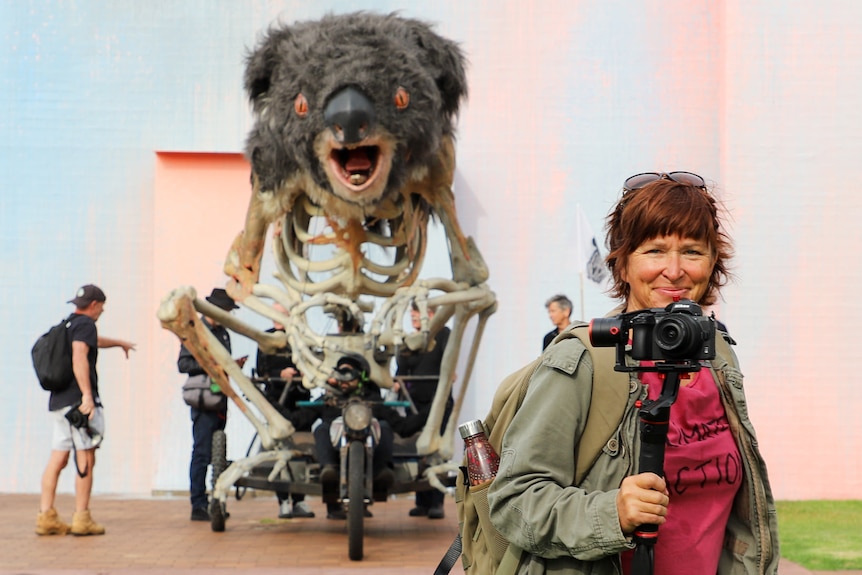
(569,529)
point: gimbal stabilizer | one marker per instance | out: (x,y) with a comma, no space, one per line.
(674,339)
(654,417)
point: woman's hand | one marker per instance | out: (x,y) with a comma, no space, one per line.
(641,500)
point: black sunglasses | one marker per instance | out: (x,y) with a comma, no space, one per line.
(347,373)
(638,181)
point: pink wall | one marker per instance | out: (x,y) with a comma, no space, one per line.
(566,100)
(200,202)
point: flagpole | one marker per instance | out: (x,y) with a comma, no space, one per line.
(581,277)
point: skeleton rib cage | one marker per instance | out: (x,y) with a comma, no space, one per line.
(348,285)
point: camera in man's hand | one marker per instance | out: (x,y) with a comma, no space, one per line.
(76,418)
(82,422)
(677,333)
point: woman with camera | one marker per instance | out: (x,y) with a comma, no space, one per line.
(713,506)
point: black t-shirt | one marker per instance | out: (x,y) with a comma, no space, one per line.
(423,363)
(82,328)
(271,365)
(422,391)
(549,337)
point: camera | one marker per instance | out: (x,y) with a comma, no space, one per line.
(676,333)
(76,418)
(82,422)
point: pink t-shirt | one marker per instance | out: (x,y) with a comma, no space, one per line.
(703,470)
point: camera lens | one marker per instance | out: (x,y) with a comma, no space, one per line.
(606,332)
(675,337)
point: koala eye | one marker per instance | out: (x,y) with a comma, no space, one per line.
(300,106)
(402,98)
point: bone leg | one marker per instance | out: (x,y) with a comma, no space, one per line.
(242,264)
(178,313)
(429,439)
(446,440)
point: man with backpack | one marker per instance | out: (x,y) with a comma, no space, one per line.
(82,433)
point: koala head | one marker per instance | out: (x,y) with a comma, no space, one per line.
(348,109)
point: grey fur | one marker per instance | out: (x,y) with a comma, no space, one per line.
(376,53)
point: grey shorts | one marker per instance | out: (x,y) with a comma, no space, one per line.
(65,434)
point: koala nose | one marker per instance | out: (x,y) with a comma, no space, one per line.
(350,115)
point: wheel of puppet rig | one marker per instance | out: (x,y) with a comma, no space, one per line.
(219,458)
(219,463)
(356,502)
(217,515)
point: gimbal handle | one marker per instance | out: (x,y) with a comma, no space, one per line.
(654,419)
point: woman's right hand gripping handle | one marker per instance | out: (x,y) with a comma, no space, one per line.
(641,500)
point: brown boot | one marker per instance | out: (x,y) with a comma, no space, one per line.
(83,524)
(49,523)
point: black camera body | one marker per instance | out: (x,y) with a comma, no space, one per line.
(678,333)
(76,418)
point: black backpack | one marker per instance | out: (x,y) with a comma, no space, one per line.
(52,357)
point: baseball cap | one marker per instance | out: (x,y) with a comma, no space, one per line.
(87,294)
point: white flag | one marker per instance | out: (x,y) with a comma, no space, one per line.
(589,260)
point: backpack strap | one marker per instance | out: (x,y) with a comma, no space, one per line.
(723,341)
(610,394)
(608,404)
(511,561)
(451,556)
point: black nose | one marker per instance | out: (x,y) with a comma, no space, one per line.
(350,115)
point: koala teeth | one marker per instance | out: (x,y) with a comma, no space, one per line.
(358,179)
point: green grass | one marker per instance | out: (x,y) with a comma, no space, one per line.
(821,535)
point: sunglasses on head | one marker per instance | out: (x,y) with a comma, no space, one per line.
(638,181)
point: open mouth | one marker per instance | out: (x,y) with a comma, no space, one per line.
(356,168)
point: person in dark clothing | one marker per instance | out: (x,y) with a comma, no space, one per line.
(89,304)
(280,366)
(205,423)
(351,378)
(559,311)
(426,363)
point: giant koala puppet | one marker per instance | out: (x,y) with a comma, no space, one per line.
(353,126)
(356,113)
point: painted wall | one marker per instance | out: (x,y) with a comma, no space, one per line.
(108,109)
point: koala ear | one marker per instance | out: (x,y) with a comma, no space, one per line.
(447,63)
(261,62)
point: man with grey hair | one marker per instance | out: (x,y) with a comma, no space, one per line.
(559,310)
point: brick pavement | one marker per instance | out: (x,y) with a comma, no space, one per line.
(149,536)
(154,536)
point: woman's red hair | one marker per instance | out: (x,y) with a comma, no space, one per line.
(666,208)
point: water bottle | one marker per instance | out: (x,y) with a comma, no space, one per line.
(482,460)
